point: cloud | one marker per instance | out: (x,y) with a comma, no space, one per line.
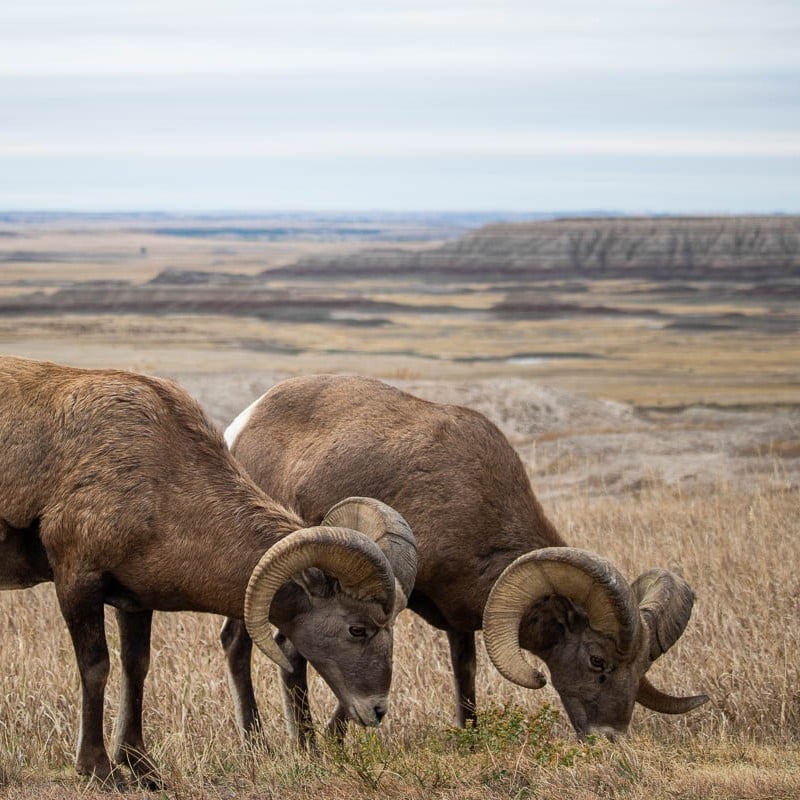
(454,143)
(246,38)
(490,93)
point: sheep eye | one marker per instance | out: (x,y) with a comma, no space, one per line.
(597,663)
(357,631)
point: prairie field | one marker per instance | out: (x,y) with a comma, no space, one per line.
(666,433)
(737,549)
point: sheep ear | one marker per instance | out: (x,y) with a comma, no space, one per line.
(297,595)
(290,601)
(315,583)
(551,620)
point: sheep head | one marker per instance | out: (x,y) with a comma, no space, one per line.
(334,591)
(596,633)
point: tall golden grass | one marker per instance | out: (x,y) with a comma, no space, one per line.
(740,551)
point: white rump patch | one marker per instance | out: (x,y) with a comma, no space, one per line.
(240,423)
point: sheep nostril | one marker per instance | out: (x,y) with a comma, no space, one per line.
(380,712)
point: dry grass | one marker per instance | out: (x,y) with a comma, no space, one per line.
(636,363)
(93,250)
(738,550)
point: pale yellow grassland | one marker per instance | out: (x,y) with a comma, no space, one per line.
(738,548)
(633,362)
(103,252)
(739,551)
(633,358)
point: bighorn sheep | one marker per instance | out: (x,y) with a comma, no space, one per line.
(116,487)
(482,536)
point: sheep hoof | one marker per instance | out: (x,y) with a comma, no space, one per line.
(104,776)
(143,769)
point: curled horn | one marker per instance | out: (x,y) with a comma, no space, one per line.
(656,700)
(351,557)
(583,577)
(665,602)
(388,530)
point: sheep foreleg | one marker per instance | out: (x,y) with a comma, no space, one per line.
(238,647)
(81,600)
(462,656)
(295,695)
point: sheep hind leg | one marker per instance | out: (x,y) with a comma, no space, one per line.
(129,750)
(462,657)
(238,647)
(81,600)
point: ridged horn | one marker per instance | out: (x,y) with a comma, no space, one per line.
(583,577)
(665,601)
(351,557)
(388,529)
(656,700)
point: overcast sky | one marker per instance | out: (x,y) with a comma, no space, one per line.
(660,106)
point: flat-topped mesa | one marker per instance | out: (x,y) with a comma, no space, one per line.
(667,248)
(117,487)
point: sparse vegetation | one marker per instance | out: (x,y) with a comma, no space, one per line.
(661,324)
(699,476)
(738,549)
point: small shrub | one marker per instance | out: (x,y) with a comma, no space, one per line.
(501,727)
(363,755)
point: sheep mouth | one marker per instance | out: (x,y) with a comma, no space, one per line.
(365,715)
(608,731)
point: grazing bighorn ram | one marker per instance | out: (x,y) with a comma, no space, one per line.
(116,487)
(482,536)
